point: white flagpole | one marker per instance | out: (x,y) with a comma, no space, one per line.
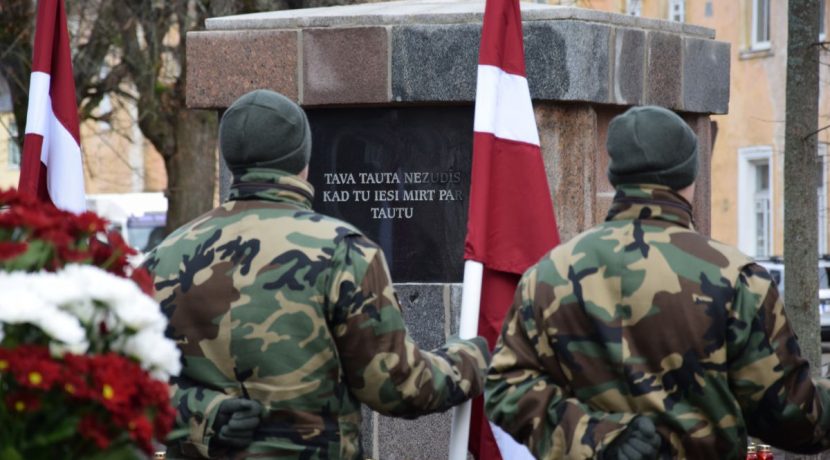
(467,329)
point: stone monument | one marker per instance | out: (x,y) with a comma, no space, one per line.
(389,89)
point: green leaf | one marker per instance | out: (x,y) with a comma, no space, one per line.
(36,256)
(64,430)
(10,453)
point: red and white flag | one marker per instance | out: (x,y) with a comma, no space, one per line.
(52,167)
(511,221)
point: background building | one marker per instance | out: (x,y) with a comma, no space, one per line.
(748,154)
(748,163)
(117,158)
(9,150)
(124,176)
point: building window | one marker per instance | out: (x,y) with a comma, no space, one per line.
(761,200)
(677,10)
(13,146)
(634,7)
(760,24)
(755,201)
(104,108)
(821,191)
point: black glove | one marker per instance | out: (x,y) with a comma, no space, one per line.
(235,423)
(639,441)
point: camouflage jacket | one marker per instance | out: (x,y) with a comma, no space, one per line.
(643,315)
(271,301)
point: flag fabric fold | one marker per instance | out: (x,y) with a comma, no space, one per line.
(511,222)
(52,168)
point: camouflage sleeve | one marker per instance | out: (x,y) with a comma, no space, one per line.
(522,395)
(383,366)
(196,409)
(771,380)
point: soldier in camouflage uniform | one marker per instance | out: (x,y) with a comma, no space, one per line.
(287,319)
(642,318)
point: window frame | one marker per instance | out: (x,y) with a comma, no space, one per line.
(680,5)
(758,44)
(634,8)
(750,158)
(12,147)
(821,191)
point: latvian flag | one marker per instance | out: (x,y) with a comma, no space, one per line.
(511,220)
(52,168)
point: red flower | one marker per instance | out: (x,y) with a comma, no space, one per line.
(39,218)
(111,254)
(92,429)
(23,402)
(9,196)
(89,222)
(31,366)
(74,378)
(76,364)
(24,352)
(11,249)
(56,236)
(156,394)
(113,378)
(9,219)
(142,278)
(142,432)
(68,255)
(165,417)
(37,373)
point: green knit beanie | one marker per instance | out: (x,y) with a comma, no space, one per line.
(264,129)
(651,145)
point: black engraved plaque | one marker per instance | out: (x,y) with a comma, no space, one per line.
(402,176)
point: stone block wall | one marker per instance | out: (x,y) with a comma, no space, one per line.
(331,56)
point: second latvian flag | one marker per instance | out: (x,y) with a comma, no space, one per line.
(52,167)
(511,222)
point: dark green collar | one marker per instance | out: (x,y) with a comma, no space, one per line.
(271,185)
(648,201)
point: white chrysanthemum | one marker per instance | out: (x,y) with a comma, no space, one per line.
(60,349)
(157,354)
(141,313)
(20,305)
(130,306)
(83,309)
(11,284)
(60,289)
(101,285)
(65,328)
(61,303)
(120,303)
(68,293)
